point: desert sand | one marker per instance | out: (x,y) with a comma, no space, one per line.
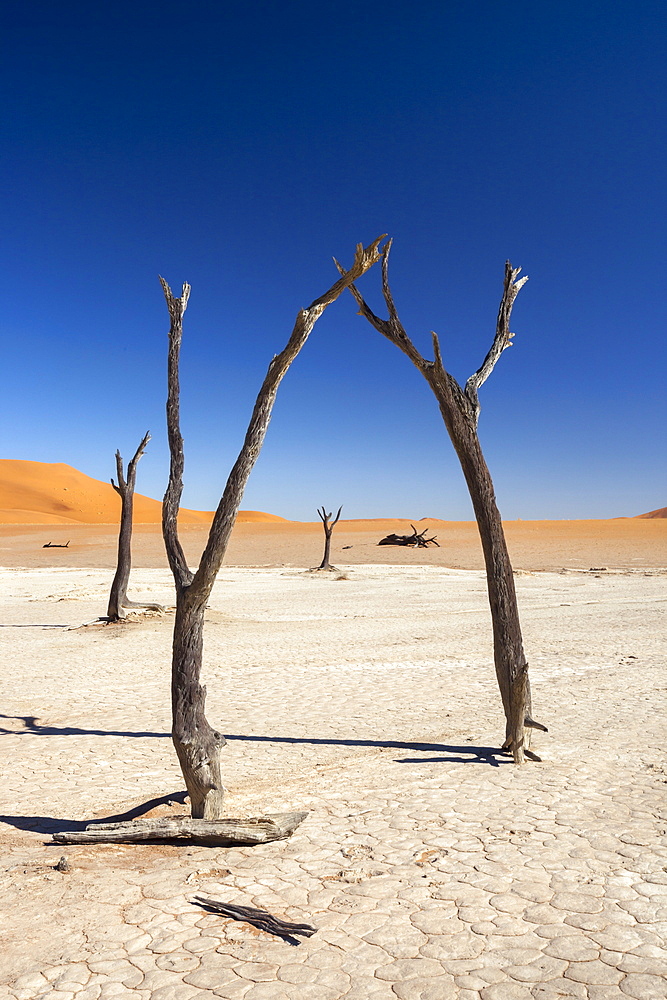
(432,867)
(660,512)
(623,543)
(43,503)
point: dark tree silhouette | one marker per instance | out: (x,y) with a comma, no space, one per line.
(118,601)
(460,411)
(328,526)
(414,541)
(197,744)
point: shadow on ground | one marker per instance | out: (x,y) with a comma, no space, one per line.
(447,754)
(32,727)
(461,754)
(465,754)
(49,825)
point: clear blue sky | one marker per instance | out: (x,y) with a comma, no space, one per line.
(240,146)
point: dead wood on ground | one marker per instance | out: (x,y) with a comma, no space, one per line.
(415,540)
(262,919)
(214,832)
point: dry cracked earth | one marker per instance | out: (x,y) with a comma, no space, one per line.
(431,867)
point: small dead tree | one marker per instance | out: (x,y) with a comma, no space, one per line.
(118,601)
(460,411)
(328,526)
(197,744)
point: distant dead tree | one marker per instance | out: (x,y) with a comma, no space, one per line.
(415,540)
(328,526)
(118,601)
(197,744)
(460,411)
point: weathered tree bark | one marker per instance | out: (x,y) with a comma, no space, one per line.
(256,830)
(460,412)
(118,597)
(261,919)
(328,526)
(197,744)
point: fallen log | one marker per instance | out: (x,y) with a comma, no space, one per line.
(213,832)
(56,545)
(261,919)
(415,540)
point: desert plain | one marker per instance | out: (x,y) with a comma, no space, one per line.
(431,866)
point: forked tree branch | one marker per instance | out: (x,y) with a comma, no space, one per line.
(124,484)
(393,330)
(131,469)
(120,475)
(503,337)
(324,517)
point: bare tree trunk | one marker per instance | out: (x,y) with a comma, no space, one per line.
(460,412)
(118,596)
(197,744)
(510,661)
(328,529)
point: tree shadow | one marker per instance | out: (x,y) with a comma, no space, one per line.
(49,825)
(447,754)
(461,754)
(34,728)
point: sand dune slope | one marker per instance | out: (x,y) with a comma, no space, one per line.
(55,493)
(661,512)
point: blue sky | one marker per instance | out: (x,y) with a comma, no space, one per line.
(239,147)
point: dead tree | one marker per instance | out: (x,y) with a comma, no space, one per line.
(328,526)
(415,541)
(197,744)
(460,411)
(118,601)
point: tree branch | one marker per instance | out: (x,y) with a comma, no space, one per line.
(503,337)
(132,467)
(225,515)
(391,328)
(120,489)
(172,497)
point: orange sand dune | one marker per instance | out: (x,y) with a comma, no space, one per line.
(257,516)
(661,512)
(55,493)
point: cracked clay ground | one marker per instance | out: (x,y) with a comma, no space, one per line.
(431,866)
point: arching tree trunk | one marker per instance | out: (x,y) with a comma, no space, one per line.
(197,744)
(460,411)
(328,526)
(118,601)
(509,658)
